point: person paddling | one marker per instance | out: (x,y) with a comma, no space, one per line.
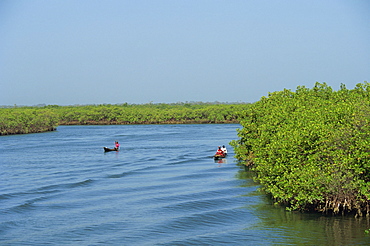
(219,151)
(116,145)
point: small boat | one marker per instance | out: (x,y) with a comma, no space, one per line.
(218,157)
(108,149)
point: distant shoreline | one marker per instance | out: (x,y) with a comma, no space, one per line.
(24,120)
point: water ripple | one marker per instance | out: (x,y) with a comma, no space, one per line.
(162,189)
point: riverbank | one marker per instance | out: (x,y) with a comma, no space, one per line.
(169,122)
(27,120)
(310,148)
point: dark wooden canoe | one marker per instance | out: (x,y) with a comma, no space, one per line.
(108,149)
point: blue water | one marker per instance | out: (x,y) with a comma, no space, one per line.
(161,188)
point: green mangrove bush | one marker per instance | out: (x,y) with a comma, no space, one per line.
(310,149)
(27,120)
(150,113)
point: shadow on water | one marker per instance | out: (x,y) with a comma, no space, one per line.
(283,227)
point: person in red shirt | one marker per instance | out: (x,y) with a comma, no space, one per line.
(116,145)
(219,151)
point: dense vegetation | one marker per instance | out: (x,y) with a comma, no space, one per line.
(150,113)
(38,119)
(27,120)
(310,149)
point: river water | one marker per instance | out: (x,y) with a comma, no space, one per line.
(161,188)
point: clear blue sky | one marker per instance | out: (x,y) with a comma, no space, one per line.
(163,51)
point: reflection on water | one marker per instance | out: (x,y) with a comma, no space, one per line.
(221,162)
(296,228)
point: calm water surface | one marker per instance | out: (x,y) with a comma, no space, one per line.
(162,188)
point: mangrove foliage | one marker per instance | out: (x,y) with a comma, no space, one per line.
(179,113)
(27,120)
(310,149)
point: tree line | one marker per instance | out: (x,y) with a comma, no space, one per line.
(310,149)
(19,120)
